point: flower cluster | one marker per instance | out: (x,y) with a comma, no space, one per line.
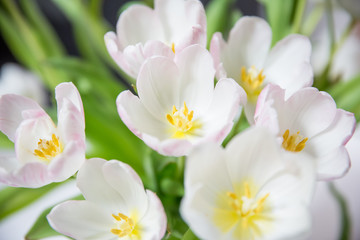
(186,101)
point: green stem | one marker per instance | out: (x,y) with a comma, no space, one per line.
(345,216)
(238,126)
(300,7)
(180,168)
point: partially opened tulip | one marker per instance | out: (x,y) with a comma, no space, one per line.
(309,122)
(142,32)
(177,106)
(45,152)
(249,190)
(247,58)
(116,205)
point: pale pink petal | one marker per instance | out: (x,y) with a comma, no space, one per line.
(115,51)
(93,185)
(288,64)
(265,113)
(68,92)
(153,223)
(217,47)
(123,179)
(197,78)
(308,111)
(173,147)
(30,175)
(158,86)
(248,45)
(138,24)
(81,220)
(29,134)
(68,162)
(11,110)
(179,18)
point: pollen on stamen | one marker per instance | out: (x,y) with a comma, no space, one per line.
(173,47)
(294,142)
(182,121)
(48,149)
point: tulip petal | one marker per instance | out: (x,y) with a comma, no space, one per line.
(158,86)
(95,188)
(197,78)
(248,45)
(138,24)
(123,179)
(81,220)
(11,112)
(178,18)
(288,64)
(153,223)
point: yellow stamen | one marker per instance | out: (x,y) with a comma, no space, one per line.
(173,47)
(252,82)
(182,121)
(48,149)
(124,225)
(294,142)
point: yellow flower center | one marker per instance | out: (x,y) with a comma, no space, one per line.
(125,226)
(48,149)
(242,212)
(173,47)
(182,121)
(252,82)
(293,142)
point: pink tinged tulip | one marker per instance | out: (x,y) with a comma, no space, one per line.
(116,205)
(308,122)
(247,58)
(177,106)
(249,190)
(142,32)
(45,153)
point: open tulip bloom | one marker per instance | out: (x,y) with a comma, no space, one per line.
(116,205)
(309,122)
(177,106)
(142,32)
(45,153)
(249,190)
(246,57)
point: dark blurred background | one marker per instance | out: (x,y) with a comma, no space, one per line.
(110,13)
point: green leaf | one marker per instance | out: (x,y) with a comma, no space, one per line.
(218,17)
(189,235)
(13,199)
(5,142)
(279,14)
(41,228)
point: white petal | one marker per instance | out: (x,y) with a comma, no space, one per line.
(138,119)
(158,86)
(171,147)
(11,109)
(125,181)
(153,223)
(246,153)
(138,24)
(328,146)
(248,45)
(179,18)
(290,222)
(225,105)
(91,182)
(81,220)
(288,64)
(197,78)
